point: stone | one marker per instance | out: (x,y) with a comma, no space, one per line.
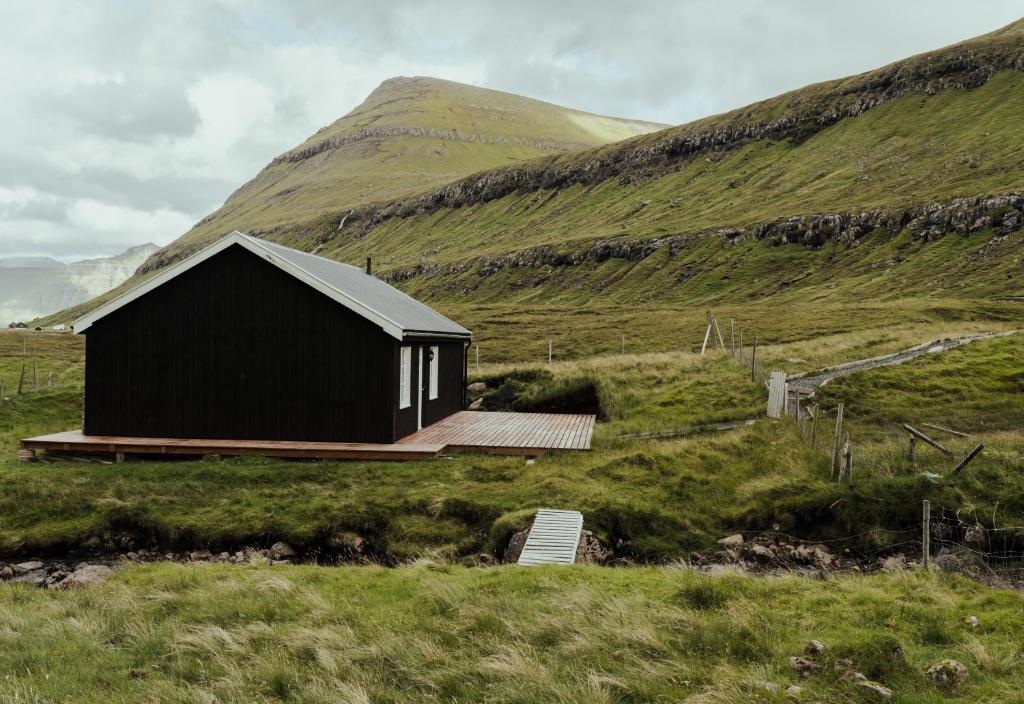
(972,622)
(591,551)
(771,687)
(731,540)
(761,553)
(880,691)
(803,666)
(281,551)
(346,542)
(84,577)
(477,387)
(893,563)
(794,690)
(31,566)
(814,647)
(7,572)
(515,546)
(949,673)
(475,406)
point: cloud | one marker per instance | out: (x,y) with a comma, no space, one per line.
(128,122)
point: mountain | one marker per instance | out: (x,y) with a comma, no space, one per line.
(409,134)
(31,287)
(907,180)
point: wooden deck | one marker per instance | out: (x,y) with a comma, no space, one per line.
(505,433)
(75,442)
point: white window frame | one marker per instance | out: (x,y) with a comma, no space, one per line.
(434,356)
(405,377)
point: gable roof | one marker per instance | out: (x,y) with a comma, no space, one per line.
(396,313)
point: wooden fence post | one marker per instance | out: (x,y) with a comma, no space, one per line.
(956,470)
(836,439)
(622,349)
(848,459)
(707,336)
(21,380)
(732,335)
(911,454)
(549,351)
(718,333)
(1,392)
(35,376)
(814,428)
(753,357)
(741,344)
(478,359)
(49,380)
(926,533)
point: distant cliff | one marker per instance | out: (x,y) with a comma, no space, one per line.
(31,287)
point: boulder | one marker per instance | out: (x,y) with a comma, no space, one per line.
(477,387)
(949,673)
(814,647)
(476,405)
(803,666)
(281,551)
(515,546)
(346,543)
(83,577)
(591,551)
(761,553)
(893,563)
(25,567)
(732,540)
(880,691)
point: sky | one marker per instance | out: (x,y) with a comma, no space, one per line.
(125,122)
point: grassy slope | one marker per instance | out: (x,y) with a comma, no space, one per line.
(915,149)
(512,128)
(313,634)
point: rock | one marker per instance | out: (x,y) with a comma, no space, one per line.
(843,666)
(280,562)
(975,535)
(25,567)
(771,687)
(281,551)
(591,551)
(92,543)
(761,553)
(949,673)
(134,556)
(346,543)
(803,666)
(880,691)
(515,546)
(814,647)
(7,572)
(893,563)
(794,690)
(475,406)
(83,577)
(55,578)
(477,387)
(972,622)
(731,540)
(485,559)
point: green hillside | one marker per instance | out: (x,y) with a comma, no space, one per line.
(409,134)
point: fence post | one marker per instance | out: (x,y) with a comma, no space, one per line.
(549,351)
(836,439)
(622,349)
(35,375)
(21,380)
(1,392)
(707,336)
(913,447)
(926,533)
(741,344)
(753,357)
(814,428)
(732,335)
(478,358)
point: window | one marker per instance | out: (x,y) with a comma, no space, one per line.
(433,372)
(405,378)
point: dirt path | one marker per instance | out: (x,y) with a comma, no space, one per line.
(809,381)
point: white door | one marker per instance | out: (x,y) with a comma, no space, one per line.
(419,397)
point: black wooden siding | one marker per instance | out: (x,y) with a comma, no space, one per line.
(234,348)
(449,387)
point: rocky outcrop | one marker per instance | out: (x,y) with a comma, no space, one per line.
(1003,213)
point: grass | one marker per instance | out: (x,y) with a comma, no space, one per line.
(653,500)
(427,632)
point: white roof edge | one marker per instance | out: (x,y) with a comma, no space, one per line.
(253,245)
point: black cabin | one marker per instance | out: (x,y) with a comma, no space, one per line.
(248,339)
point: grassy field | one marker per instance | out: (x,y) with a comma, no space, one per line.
(177,633)
(652,500)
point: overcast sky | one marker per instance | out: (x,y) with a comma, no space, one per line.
(125,122)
